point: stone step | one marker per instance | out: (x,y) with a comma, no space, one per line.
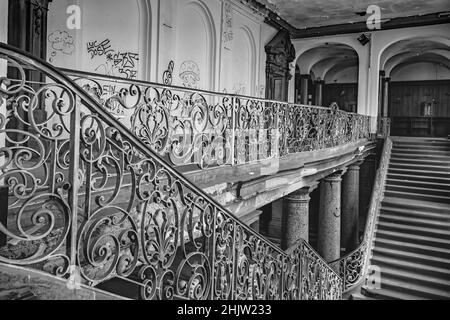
(417,214)
(413,238)
(423,173)
(420,147)
(422,231)
(420,167)
(411,160)
(414,204)
(415,277)
(420,291)
(419,184)
(417,178)
(416,196)
(418,156)
(419,190)
(391,217)
(401,265)
(440,153)
(420,140)
(413,257)
(406,246)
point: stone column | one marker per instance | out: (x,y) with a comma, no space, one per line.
(386,83)
(304,79)
(319,92)
(296,217)
(350,208)
(329,242)
(381,94)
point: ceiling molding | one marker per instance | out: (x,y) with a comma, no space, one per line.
(394,23)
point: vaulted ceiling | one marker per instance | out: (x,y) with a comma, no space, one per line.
(318,13)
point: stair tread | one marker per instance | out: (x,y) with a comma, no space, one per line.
(411,245)
(409,165)
(419,156)
(417,203)
(417,213)
(392,272)
(421,171)
(412,228)
(442,163)
(408,220)
(408,195)
(447,185)
(413,188)
(412,236)
(420,289)
(381,261)
(401,253)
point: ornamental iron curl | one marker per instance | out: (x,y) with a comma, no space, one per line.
(210,129)
(88,193)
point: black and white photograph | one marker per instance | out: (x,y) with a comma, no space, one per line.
(248,151)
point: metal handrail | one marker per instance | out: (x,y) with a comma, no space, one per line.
(90,231)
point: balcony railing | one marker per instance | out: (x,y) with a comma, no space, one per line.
(91,202)
(209,129)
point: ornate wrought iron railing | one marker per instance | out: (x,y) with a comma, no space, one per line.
(383,127)
(353,267)
(89,201)
(187,126)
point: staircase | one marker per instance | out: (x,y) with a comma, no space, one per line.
(92,202)
(412,237)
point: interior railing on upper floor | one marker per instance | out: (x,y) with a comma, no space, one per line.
(94,202)
(209,129)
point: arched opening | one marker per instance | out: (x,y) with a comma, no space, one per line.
(415,86)
(194,65)
(328,74)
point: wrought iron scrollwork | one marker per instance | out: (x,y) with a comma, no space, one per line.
(95,194)
(210,129)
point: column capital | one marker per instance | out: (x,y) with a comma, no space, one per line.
(355,165)
(335,176)
(305,76)
(382,73)
(301,195)
(319,81)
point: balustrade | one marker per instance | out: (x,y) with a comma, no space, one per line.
(92,199)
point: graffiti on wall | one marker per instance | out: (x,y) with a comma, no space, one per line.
(227,26)
(60,42)
(116,63)
(167,75)
(190,74)
(99,49)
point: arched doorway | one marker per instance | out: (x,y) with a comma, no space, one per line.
(328,73)
(416,87)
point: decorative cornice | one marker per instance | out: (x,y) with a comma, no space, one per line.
(394,23)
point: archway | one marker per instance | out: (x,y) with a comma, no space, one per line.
(328,73)
(415,84)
